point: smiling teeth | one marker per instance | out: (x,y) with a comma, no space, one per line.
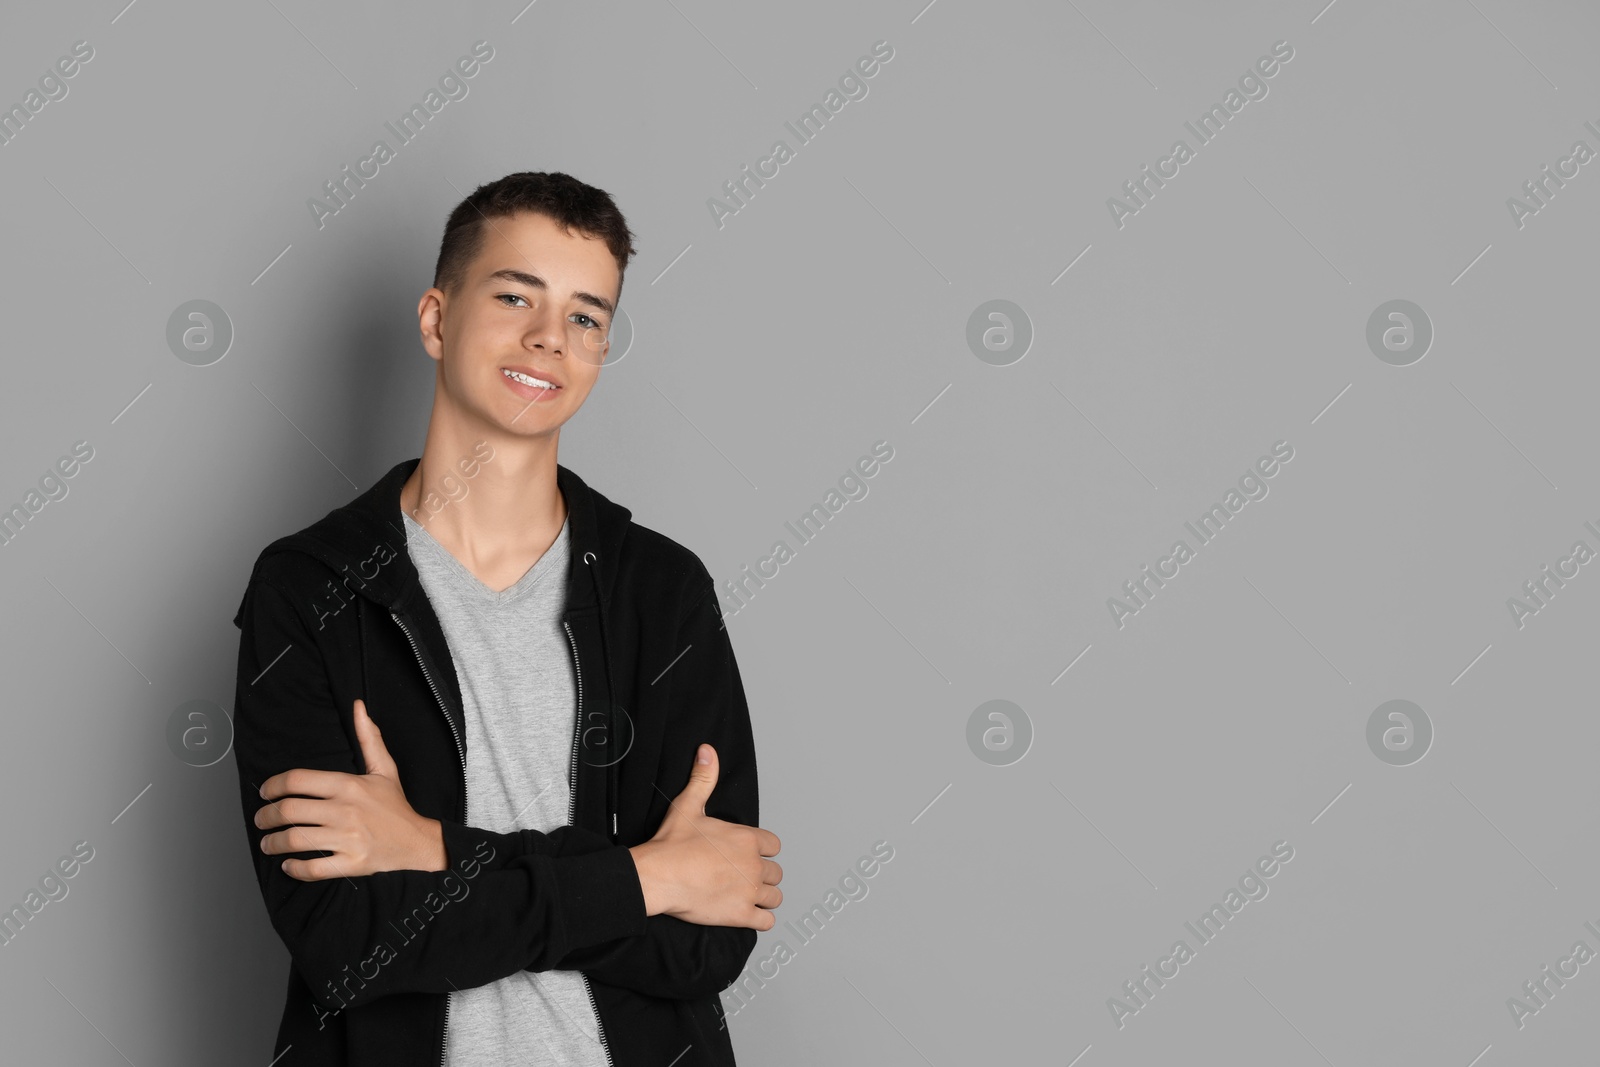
(526,380)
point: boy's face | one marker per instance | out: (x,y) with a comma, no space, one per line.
(537,300)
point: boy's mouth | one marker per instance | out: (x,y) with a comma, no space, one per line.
(531,385)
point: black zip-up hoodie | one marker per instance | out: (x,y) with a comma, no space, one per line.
(335,612)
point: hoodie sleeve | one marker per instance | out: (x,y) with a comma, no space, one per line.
(673,958)
(507,902)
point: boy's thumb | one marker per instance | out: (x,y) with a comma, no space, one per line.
(374,753)
(703,775)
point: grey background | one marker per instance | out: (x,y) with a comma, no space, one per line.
(829,313)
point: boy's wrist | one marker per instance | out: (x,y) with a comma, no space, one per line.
(651,884)
(430,854)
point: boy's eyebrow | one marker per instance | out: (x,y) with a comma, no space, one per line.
(533,281)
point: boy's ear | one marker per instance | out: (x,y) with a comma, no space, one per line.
(430,314)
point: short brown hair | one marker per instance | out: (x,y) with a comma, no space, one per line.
(561,197)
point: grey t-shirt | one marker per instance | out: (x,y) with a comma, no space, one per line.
(515,670)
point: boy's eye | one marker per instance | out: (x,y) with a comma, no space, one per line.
(588,322)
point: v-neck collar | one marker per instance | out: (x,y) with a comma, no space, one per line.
(417,533)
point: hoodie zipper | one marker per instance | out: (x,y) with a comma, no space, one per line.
(572,805)
(572,784)
(460,752)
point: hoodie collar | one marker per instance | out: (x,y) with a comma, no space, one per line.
(357,538)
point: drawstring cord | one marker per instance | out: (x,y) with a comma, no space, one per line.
(589,558)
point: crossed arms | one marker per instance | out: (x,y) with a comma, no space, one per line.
(673,917)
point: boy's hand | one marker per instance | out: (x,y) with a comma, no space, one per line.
(364,819)
(705,870)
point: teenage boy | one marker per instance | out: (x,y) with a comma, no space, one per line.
(549,853)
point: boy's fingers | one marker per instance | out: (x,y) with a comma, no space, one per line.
(287,812)
(310,870)
(298,839)
(303,781)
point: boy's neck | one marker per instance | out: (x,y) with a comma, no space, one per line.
(486,510)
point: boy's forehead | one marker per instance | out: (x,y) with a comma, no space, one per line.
(523,240)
